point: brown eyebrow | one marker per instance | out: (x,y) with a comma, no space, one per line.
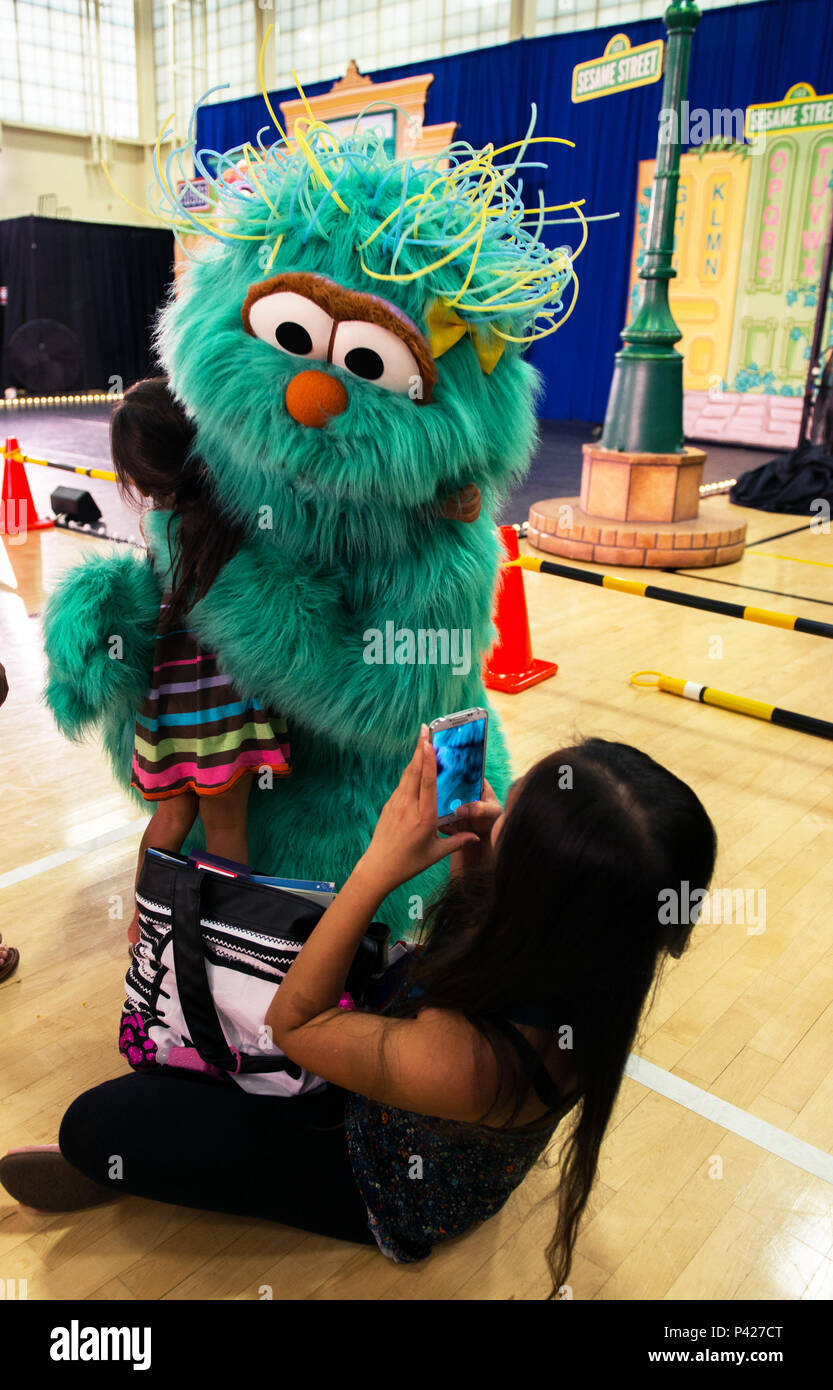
(343,305)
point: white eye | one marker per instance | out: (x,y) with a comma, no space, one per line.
(293,323)
(375,354)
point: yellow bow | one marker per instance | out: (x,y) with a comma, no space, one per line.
(445,328)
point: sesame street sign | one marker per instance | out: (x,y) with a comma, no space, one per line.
(619,68)
(801,109)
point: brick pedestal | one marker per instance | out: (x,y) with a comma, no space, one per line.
(641,487)
(638,509)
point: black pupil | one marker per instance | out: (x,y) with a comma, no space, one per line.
(364,362)
(293,337)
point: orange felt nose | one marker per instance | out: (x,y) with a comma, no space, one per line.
(313,398)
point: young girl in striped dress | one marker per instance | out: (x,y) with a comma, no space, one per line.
(198,740)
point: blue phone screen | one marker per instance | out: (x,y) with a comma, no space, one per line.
(460,753)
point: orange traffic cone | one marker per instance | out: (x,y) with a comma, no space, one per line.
(17,509)
(510,665)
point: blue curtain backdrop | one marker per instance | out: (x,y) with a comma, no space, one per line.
(741,55)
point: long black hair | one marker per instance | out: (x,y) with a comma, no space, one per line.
(152,443)
(571,919)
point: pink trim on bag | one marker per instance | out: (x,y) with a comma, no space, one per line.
(188,1059)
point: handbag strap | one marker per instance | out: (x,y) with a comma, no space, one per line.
(194,992)
(204,1027)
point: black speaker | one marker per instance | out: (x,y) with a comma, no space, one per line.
(76,505)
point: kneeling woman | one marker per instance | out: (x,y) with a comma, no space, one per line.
(522,1005)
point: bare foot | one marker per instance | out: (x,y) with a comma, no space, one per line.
(9,957)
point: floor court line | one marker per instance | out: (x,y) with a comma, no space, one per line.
(64,856)
(793,532)
(721,1112)
(750,588)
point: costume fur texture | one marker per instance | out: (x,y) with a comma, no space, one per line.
(343,539)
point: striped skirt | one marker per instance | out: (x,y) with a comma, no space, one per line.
(193,729)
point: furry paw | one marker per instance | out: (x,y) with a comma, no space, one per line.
(99,628)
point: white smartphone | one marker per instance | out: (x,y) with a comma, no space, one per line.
(460,745)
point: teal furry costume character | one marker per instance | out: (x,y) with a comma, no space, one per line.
(350,348)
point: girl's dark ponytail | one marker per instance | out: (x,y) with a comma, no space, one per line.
(152,443)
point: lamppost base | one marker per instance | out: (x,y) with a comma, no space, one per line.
(558,526)
(639,509)
(626,485)
(645,407)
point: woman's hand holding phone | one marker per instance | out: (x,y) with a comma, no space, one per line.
(405,840)
(480,818)
(477,816)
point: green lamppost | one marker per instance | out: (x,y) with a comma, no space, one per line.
(645,407)
(640,484)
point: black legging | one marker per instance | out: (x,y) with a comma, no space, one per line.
(199,1143)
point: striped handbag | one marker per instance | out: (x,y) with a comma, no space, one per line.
(214,945)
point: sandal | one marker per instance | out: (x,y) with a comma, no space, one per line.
(39,1176)
(10,964)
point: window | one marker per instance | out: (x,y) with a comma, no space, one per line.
(319,37)
(204,44)
(118,67)
(564,16)
(60,68)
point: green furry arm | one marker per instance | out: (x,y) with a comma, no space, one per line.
(91,675)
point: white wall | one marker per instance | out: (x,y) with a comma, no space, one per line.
(35,162)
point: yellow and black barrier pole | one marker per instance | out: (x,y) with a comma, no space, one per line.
(769,617)
(738,704)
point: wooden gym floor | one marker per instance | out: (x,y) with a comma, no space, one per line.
(716,1178)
